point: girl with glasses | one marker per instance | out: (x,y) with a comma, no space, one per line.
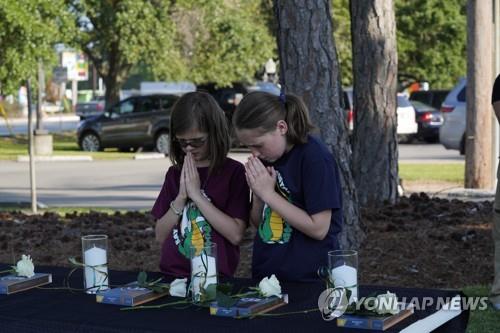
(204,198)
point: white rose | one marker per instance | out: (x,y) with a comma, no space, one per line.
(25,267)
(270,286)
(387,303)
(178,287)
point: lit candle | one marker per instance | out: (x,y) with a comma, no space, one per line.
(346,276)
(203,273)
(96,278)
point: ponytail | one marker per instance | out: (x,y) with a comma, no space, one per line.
(261,111)
(297,118)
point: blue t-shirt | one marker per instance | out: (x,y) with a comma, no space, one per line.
(308,177)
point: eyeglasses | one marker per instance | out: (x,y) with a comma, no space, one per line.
(195,143)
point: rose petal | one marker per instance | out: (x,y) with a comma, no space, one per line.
(178,287)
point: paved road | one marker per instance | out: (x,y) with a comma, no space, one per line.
(121,184)
(126,184)
(428,153)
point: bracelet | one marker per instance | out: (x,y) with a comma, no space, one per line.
(176,212)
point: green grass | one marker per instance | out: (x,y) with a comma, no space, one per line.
(63,144)
(482,321)
(450,172)
(26,208)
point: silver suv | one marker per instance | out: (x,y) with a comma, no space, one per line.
(454,109)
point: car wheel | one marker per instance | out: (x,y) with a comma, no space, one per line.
(90,142)
(405,138)
(431,139)
(162,143)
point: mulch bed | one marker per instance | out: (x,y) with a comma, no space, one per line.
(418,242)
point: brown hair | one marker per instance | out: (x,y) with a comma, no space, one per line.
(199,110)
(261,110)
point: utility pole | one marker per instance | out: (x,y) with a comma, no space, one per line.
(495,150)
(478,136)
(41,89)
(31,148)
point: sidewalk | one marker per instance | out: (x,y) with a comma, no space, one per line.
(448,190)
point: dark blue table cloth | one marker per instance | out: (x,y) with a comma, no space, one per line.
(51,310)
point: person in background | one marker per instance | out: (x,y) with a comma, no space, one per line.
(205,198)
(296,201)
(495,288)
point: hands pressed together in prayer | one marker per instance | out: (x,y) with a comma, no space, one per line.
(190,179)
(260,179)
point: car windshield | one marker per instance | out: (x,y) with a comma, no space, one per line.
(403,102)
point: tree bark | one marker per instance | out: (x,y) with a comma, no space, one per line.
(375,150)
(478,136)
(311,70)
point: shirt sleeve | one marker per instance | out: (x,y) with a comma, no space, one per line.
(168,192)
(495,96)
(238,203)
(321,184)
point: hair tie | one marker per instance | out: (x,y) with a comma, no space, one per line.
(283,96)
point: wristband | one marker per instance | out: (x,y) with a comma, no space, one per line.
(176,212)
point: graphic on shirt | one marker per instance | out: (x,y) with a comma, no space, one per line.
(194,230)
(273,228)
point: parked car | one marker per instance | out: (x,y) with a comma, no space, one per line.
(91,108)
(433,98)
(349,108)
(407,126)
(429,120)
(454,109)
(138,121)
(229,97)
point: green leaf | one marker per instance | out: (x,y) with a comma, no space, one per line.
(225,288)
(158,289)
(142,278)
(225,300)
(210,292)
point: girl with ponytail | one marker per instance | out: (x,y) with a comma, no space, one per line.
(296,192)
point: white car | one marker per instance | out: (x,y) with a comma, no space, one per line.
(406,119)
(407,123)
(454,109)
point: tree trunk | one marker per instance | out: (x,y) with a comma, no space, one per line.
(375,149)
(311,70)
(478,173)
(112,94)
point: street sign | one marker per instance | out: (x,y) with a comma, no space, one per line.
(82,67)
(77,65)
(60,74)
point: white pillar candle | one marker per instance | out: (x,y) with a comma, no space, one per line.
(96,277)
(346,276)
(203,273)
